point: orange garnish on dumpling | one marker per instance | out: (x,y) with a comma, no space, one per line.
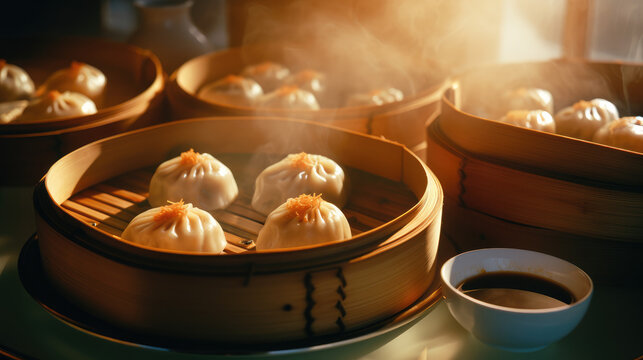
(53,95)
(301,206)
(302,161)
(190,157)
(172,211)
(287,89)
(263,67)
(582,105)
(75,67)
(307,75)
(233,79)
(3,62)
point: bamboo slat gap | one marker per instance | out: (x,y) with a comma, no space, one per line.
(120,193)
(95,215)
(97,224)
(103,208)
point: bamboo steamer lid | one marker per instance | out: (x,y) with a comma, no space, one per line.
(133,98)
(266,296)
(402,121)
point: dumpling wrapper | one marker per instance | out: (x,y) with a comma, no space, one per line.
(531,119)
(376,97)
(304,220)
(78,77)
(298,174)
(309,80)
(527,99)
(11,110)
(625,133)
(177,226)
(269,75)
(196,178)
(233,90)
(582,119)
(15,83)
(58,105)
(289,97)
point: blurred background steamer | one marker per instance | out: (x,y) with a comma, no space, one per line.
(401,120)
(511,186)
(133,98)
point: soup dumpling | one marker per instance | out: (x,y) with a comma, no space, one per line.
(582,119)
(309,80)
(233,90)
(376,97)
(298,174)
(304,220)
(196,178)
(289,97)
(524,98)
(531,119)
(11,110)
(269,75)
(625,133)
(177,226)
(15,83)
(57,105)
(78,77)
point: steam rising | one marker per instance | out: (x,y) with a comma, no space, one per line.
(376,43)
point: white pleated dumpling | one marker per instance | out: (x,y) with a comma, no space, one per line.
(176,226)
(56,105)
(78,77)
(531,119)
(375,97)
(232,89)
(196,178)
(289,97)
(525,98)
(625,133)
(269,75)
(298,174)
(582,119)
(309,80)
(15,83)
(11,110)
(304,220)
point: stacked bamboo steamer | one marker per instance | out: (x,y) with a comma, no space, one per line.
(242,297)
(517,187)
(403,121)
(133,98)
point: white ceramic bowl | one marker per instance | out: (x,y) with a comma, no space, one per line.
(509,328)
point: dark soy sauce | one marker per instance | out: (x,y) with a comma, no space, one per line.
(517,290)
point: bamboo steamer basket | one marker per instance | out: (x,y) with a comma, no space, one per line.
(133,98)
(242,297)
(402,121)
(508,186)
(465,123)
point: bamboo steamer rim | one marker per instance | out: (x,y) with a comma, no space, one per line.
(623,223)
(177,84)
(451,110)
(110,113)
(428,204)
(120,116)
